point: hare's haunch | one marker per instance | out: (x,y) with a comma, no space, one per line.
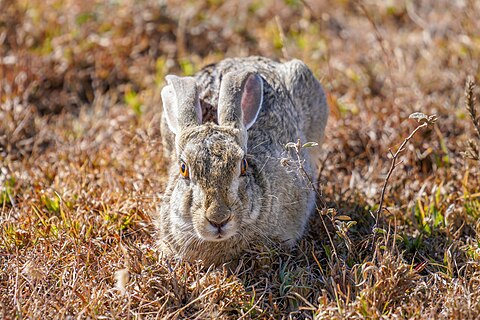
(225,130)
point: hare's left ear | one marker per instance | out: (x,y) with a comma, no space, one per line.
(240,100)
(180,103)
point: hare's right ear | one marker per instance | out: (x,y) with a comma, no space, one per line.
(240,100)
(180,103)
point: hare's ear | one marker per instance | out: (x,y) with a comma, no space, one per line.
(180,103)
(241,97)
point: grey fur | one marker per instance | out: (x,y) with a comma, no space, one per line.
(270,203)
(237,90)
(180,103)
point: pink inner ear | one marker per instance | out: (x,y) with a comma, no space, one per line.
(251,99)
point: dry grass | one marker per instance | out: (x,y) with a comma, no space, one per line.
(81,171)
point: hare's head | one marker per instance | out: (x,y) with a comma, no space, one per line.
(213,189)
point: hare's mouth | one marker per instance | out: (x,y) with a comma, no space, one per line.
(220,237)
(217,236)
(215,232)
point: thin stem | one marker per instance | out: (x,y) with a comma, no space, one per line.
(393,165)
(314,187)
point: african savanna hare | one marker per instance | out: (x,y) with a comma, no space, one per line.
(225,130)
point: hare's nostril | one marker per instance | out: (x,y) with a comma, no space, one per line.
(219,224)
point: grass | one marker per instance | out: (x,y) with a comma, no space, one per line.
(81,170)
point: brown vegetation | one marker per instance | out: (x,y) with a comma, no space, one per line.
(81,171)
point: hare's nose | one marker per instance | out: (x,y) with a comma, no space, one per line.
(219,223)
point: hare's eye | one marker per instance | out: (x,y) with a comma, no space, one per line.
(184,169)
(244,166)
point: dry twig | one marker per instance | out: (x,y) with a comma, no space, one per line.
(425,120)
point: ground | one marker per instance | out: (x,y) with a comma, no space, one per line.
(81,169)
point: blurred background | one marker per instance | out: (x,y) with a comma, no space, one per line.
(61,54)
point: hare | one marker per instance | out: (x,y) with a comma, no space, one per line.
(225,130)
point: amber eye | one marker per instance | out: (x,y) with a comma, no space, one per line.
(244,166)
(184,169)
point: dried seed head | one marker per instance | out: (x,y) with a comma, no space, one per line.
(470,104)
